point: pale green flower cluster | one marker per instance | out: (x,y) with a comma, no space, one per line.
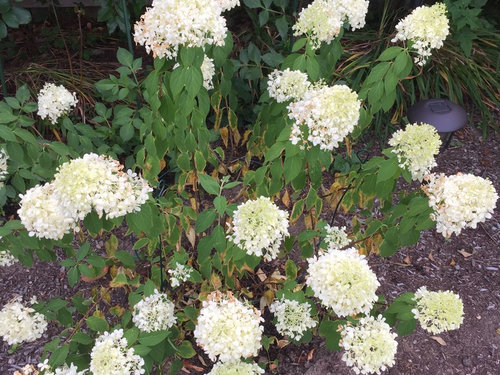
(91,182)
(169,24)
(6,258)
(259,227)
(370,347)
(343,281)
(154,313)
(324,116)
(287,85)
(179,274)
(55,101)
(3,166)
(293,318)
(228,328)
(459,201)
(110,356)
(208,72)
(322,20)
(416,147)
(336,238)
(426,27)
(62,370)
(19,323)
(236,368)
(438,311)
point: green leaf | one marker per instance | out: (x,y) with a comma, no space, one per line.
(252,3)
(199,161)
(209,184)
(406,327)
(83,251)
(124,57)
(73,276)
(23,15)
(220,204)
(291,269)
(97,324)
(153,338)
(205,219)
(82,338)
(390,53)
(185,350)
(272,59)
(282,26)
(387,170)
(59,356)
(329,330)
(300,43)
(126,259)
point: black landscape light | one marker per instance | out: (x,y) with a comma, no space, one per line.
(446,116)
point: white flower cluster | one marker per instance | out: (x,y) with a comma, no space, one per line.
(236,368)
(416,146)
(208,72)
(293,318)
(258,227)
(227,4)
(322,20)
(19,323)
(62,370)
(228,328)
(179,274)
(369,347)
(343,281)
(438,311)
(91,182)
(154,313)
(6,258)
(3,166)
(426,27)
(459,201)
(325,116)
(287,85)
(336,238)
(55,101)
(110,356)
(43,215)
(169,24)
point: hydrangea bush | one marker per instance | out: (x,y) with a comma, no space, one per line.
(215,246)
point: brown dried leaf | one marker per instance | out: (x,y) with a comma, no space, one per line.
(452,262)
(310,355)
(261,275)
(465,254)
(439,340)
(431,258)
(286,199)
(498,331)
(191,235)
(407,260)
(189,365)
(283,343)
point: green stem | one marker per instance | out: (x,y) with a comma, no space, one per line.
(126,21)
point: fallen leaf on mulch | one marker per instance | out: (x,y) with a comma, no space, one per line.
(407,260)
(431,258)
(498,331)
(261,275)
(189,365)
(439,340)
(452,263)
(465,253)
(310,355)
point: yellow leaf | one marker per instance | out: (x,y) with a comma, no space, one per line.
(286,199)
(224,133)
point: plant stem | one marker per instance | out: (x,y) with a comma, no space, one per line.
(126,21)
(64,41)
(2,79)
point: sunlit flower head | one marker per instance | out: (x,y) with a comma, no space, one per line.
(236,368)
(259,227)
(459,201)
(293,318)
(179,274)
(426,27)
(370,347)
(416,147)
(110,356)
(438,311)
(208,72)
(324,116)
(61,370)
(228,329)
(287,85)
(99,183)
(19,323)
(343,281)
(154,313)
(42,214)
(169,24)
(55,101)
